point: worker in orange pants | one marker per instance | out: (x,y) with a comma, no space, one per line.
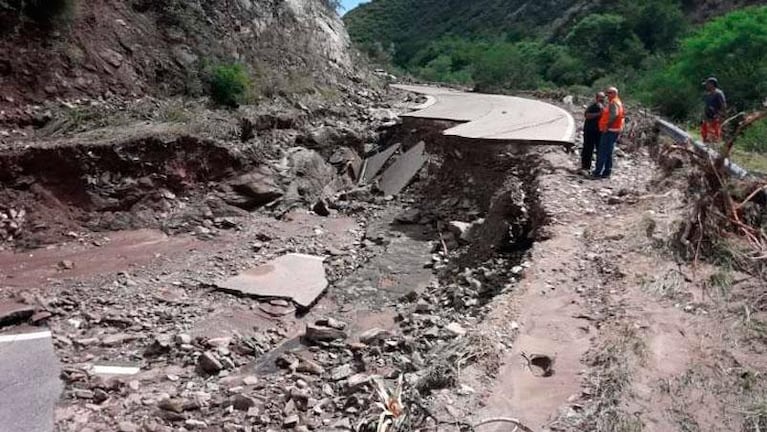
(716,106)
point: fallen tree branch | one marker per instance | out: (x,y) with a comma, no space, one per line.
(513,421)
(752,195)
(518,424)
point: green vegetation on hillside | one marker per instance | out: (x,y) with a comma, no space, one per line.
(732,47)
(649,48)
(230,84)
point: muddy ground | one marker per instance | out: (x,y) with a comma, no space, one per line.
(565,306)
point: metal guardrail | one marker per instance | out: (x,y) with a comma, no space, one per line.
(679,135)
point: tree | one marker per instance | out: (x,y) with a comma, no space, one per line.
(733,48)
(657,23)
(606,43)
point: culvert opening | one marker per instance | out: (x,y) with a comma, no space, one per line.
(48,192)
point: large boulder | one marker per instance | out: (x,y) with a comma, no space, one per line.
(312,178)
(252,190)
(326,139)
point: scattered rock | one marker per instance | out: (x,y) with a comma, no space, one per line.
(408,217)
(375,335)
(242,403)
(209,363)
(290,421)
(310,367)
(127,427)
(195,424)
(118,339)
(319,333)
(84,394)
(250,380)
(183,339)
(160,345)
(66,265)
(356,381)
(172,404)
(342,372)
(332,323)
(456,329)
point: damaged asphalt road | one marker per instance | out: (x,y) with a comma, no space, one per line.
(289,316)
(150,336)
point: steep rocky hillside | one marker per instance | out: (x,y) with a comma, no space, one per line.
(410,25)
(99,48)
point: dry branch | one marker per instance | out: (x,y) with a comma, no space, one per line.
(719,212)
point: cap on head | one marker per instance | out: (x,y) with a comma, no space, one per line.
(612,90)
(711,80)
(601,95)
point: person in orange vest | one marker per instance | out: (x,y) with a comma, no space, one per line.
(611,125)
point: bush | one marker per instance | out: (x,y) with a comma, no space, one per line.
(509,65)
(754,139)
(47,11)
(230,85)
(657,23)
(605,43)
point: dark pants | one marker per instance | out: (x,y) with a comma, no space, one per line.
(590,146)
(605,154)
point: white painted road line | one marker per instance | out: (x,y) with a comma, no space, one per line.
(24,337)
(115,370)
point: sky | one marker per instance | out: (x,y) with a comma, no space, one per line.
(350,4)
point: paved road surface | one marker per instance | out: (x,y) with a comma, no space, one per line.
(495,117)
(29,382)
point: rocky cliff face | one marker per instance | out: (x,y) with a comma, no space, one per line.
(136,47)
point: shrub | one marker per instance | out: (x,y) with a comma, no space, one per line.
(754,139)
(47,11)
(507,65)
(605,42)
(657,23)
(230,85)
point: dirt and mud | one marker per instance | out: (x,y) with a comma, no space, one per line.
(500,284)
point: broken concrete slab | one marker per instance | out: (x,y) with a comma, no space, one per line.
(29,377)
(300,278)
(374,163)
(13,313)
(397,176)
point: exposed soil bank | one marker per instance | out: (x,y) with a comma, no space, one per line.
(143,183)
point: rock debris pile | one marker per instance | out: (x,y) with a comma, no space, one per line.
(233,340)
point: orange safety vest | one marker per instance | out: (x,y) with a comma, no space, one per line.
(620,119)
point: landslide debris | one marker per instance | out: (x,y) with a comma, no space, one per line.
(207,359)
